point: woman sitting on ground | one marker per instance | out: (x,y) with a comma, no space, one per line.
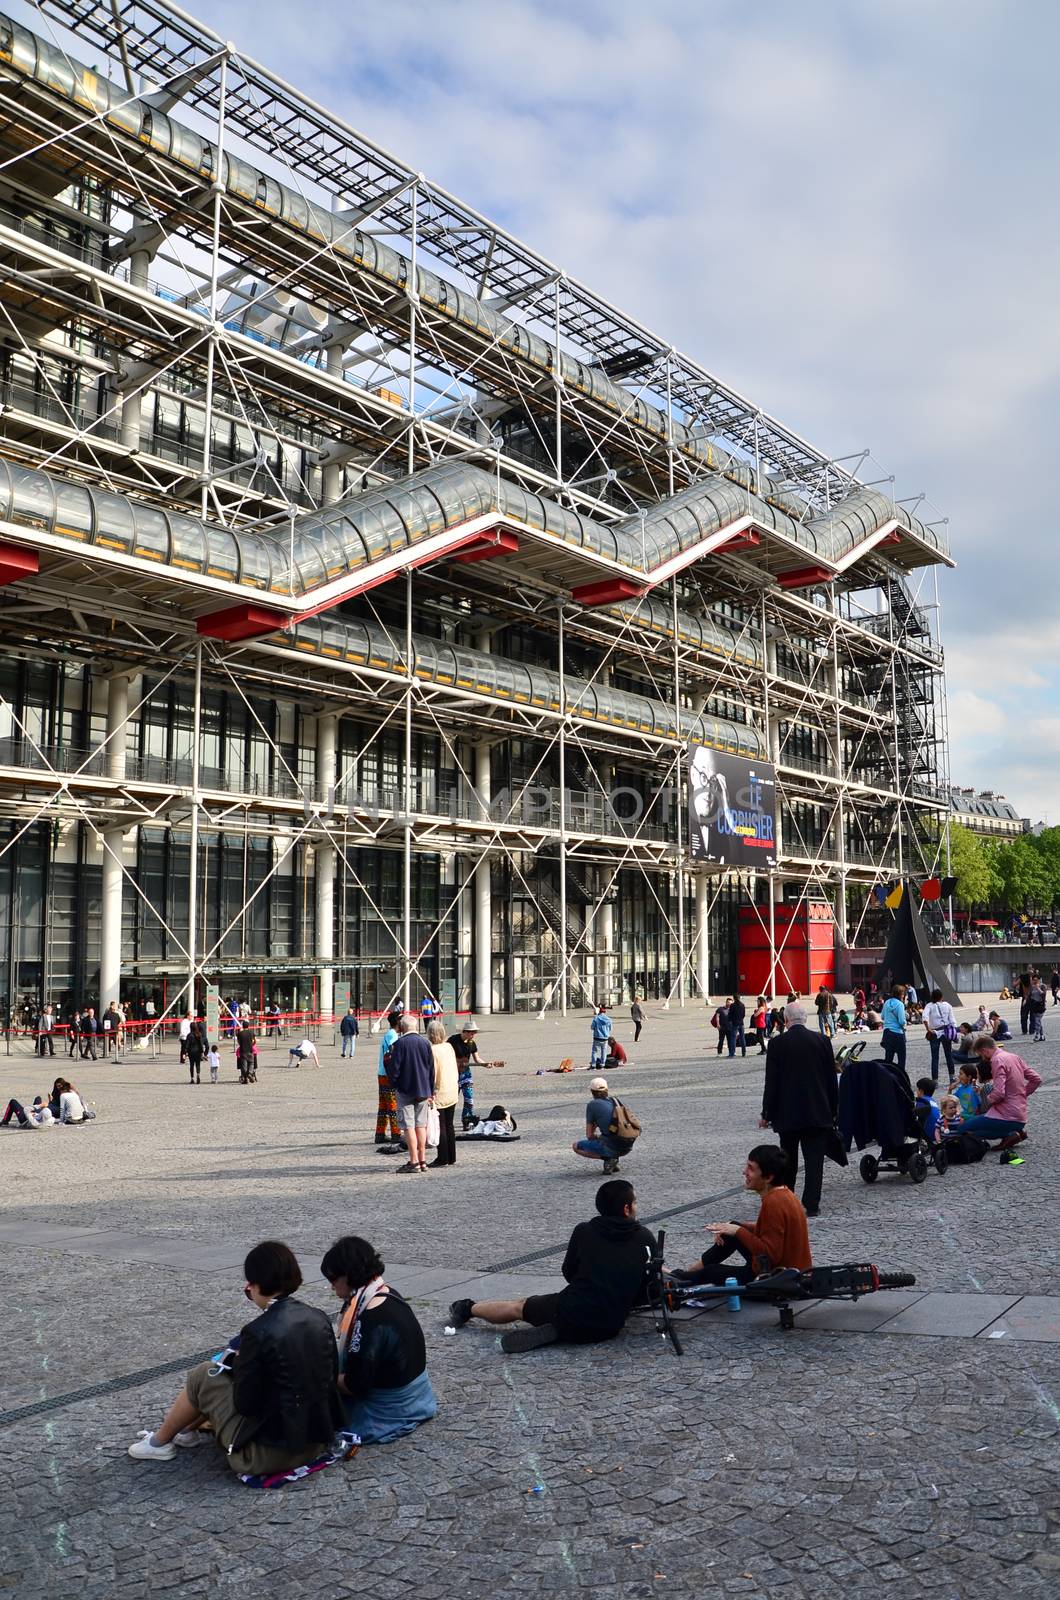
(273,1404)
(382,1355)
(965,1053)
(779,1238)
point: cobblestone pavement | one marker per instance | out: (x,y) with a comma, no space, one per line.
(811,1464)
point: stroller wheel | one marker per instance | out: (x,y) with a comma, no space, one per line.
(917,1166)
(869,1168)
(941,1160)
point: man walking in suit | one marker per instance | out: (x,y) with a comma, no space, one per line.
(801,1098)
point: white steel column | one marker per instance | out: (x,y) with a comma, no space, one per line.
(324,854)
(703,934)
(483,905)
(563,978)
(111,905)
(132,402)
(193,850)
(331,473)
(407,802)
(677,807)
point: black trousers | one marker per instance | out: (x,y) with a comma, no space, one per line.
(194,1065)
(712,1269)
(637,1026)
(46,1044)
(812,1141)
(446,1156)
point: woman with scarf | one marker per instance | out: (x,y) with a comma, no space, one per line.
(382,1356)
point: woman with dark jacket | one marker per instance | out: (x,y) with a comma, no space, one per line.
(382,1354)
(271,1399)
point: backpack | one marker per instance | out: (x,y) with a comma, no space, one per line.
(624,1124)
(963,1149)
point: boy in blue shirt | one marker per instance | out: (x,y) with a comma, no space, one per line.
(933,1110)
(966,1092)
(601,1028)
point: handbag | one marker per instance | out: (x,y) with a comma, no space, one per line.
(434,1127)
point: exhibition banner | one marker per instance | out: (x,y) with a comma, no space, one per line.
(731,810)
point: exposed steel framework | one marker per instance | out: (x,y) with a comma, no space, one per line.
(283,419)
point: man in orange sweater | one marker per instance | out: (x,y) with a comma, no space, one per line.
(779,1238)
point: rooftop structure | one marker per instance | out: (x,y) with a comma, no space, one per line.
(987,813)
(368,577)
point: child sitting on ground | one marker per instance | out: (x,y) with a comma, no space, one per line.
(966,1093)
(950,1107)
(860,1020)
(928,1110)
(842,1023)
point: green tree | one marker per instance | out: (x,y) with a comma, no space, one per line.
(1023,873)
(973,862)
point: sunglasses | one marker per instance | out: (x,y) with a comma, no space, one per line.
(246,1291)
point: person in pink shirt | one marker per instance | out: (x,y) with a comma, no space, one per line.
(1006,1096)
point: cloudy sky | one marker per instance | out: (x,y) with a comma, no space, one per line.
(845,208)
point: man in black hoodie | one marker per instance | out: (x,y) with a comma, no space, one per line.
(604,1267)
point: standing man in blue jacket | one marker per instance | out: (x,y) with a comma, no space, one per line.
(349,1029)
(601,1028)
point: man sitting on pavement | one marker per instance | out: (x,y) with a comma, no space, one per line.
(605,1268)
(600,1144)
(410,1068)
(779,1238)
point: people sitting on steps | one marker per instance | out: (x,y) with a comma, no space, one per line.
(778,1238)
(605,1267)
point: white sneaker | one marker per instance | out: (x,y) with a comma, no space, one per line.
(144,1450)
(190,1438)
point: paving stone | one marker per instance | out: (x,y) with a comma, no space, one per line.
(858,1316)
(1034,1316)
(634,1444)
(951,1315)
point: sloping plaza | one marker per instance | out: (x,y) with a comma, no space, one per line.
(908,1439)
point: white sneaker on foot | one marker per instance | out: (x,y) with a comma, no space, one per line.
(190,1438)
(144,1450)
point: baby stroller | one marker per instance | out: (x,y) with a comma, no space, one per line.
(849,1052)
(877,1106)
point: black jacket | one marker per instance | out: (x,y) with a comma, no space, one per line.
(285,1378)
(801,1089)
(604,1267)
(876,1104)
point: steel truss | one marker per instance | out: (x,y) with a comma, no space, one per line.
(134,290)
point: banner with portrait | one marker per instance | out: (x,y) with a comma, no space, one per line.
(732,819)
